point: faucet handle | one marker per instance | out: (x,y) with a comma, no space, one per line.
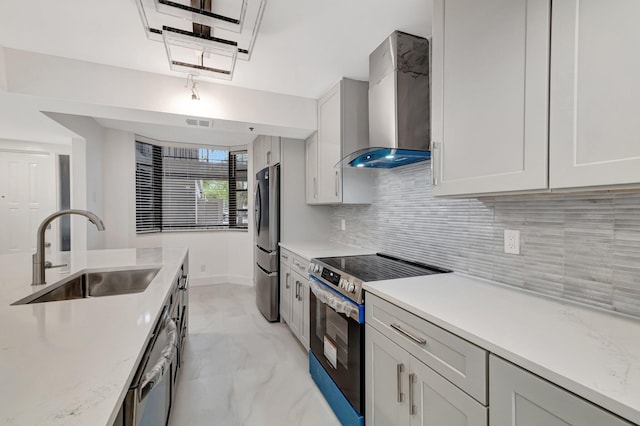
(49,265)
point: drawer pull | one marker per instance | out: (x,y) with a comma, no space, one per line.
(284,256)
(418,340)
(412,406)
(400,369)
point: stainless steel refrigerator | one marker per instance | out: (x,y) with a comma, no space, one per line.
(267,235)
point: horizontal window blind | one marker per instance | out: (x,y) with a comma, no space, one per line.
(189,188)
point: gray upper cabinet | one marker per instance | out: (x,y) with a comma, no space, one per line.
(519,398)
(595,93)
(343,127)
(266,152)
(490,95)
(533,96)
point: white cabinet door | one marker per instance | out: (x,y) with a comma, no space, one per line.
(386,381)
(595,93)
(259,161)
(329,146)
(311,164)
(296,304)
(285,290)
(519,398)
(343,128)
(306,323)
(437,402)
(490,95)
(273,154)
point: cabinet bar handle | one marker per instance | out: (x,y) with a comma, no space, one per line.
(298,290)
(418,340)
(268,158)
(284,256)
(286,280)
(412,406)
(315,188)
(337,183)
(400,369)
(434,149)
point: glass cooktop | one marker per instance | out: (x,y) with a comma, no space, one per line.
(377,267)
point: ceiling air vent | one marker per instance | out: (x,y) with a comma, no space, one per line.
(195,122)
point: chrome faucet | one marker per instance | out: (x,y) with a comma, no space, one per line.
(39,265)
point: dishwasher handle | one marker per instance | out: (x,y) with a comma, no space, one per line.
(163,365)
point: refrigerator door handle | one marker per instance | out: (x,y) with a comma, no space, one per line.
(257,208)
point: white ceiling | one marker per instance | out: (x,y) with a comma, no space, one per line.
(303,47)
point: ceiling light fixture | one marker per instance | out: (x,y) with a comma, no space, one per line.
(218,31)
(195,96)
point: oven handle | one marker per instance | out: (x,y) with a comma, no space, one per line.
(335,302)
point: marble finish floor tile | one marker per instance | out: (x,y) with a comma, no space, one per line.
(240,370)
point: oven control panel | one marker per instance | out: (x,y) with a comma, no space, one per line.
(347,285)
(330,276)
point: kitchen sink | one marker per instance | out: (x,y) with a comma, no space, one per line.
(95,284)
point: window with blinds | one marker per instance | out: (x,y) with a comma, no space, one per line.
(190,188)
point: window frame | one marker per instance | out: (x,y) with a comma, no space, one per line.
(151,211)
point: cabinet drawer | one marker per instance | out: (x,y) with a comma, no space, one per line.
(462,363)
(285,257)
(300,264)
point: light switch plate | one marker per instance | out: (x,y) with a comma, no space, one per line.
(343,224)
(511,241)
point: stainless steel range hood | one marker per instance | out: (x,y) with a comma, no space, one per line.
(399,110)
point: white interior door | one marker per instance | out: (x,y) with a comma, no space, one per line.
(27,195)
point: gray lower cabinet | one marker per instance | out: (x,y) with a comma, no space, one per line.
(285,286)
(299,323)
(294,294)
(401,390)
(386,383)
(438,402)
(519,398)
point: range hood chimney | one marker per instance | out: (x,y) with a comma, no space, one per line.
(399,109)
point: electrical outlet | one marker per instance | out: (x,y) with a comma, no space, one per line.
(511,241)
(343,224)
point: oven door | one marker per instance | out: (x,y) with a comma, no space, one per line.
(337,340)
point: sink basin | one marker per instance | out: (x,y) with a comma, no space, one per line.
(95,284)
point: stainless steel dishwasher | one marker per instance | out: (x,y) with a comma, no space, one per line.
(148,401)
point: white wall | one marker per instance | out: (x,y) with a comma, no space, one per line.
(3,71)
(92,137)
(214,256)
(139,92)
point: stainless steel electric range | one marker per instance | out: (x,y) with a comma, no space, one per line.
(336,359)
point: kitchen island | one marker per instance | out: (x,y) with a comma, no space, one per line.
(71,362)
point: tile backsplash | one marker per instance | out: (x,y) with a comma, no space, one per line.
(584,247)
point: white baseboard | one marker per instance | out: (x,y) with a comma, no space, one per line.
(221,279)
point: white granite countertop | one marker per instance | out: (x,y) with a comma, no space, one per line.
(71,362)
(311,249)
(593,353)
